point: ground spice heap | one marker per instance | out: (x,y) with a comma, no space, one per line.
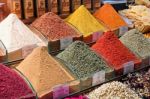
(53,27)
(82,61)
(84,21)
(110,17)
(12,86)
(15,34)
(113,51)
(139,82)
(113,90)
(43,71)
(137,43)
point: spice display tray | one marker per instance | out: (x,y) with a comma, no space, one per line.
(57,45)
(117,78)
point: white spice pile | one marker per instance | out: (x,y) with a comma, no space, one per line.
(113,90)
(15,34)
(43,71)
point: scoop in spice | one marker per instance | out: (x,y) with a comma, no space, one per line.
(12,85)
(113,51)
(43,71)
(85,22)
(82,61)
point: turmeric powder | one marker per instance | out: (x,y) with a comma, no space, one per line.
(83,20)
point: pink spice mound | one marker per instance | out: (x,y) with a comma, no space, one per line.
(12,86)
(113,51)
(53,27)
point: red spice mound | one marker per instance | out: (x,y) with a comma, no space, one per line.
(53,27)
(12,86)
(113,51)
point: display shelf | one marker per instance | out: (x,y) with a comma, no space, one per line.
(89,89)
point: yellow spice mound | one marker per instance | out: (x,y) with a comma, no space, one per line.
(84,21)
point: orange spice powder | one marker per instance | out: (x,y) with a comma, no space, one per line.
(110,17)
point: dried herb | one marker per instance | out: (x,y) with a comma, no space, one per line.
(137,43)
(139,82)
(82,61)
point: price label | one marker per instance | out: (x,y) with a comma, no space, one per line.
(123,30)
(128,67)
(96,35)
(98,78)
(27,50)
(65,42)
(60,91)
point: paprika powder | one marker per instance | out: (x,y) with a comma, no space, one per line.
(113,51)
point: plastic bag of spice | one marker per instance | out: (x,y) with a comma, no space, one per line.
(58,33)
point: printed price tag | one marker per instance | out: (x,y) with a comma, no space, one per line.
(60,91)
(123,30)
(65,42)
(128,67)
(27,50)
(98,78)
(96,35)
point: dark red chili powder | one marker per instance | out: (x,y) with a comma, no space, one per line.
(113,51)
(12,86)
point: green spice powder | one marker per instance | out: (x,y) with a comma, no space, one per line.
(137,43)
(82,61)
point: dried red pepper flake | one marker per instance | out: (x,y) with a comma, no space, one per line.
(113,51)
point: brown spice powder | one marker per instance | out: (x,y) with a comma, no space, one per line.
(43,71)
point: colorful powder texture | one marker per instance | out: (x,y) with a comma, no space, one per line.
(110,17)
(53,27)
(85,22)
(82,61)
(137,43)
(15,34)
(43,71)
(12,85)
(113,51)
